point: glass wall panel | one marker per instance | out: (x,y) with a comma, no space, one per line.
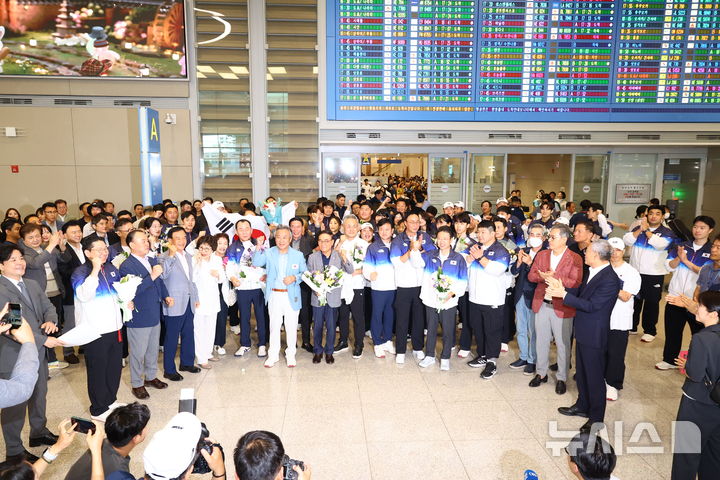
(486,180)
(224,99)
(637,169)
(590,178)
(681,178)
(445,179)
(292,95)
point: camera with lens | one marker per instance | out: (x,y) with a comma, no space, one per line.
(201,466)
(287,465)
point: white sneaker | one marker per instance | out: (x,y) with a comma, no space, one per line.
(463,353)
(504,347)
(426,362)
(291,362)
(103,416)
(235,329)
(400,359)
(242,351)
(57,365)
(162,349)
(389,347)
(124,362)
(116,404)
(269,363)
(368,334)
(379,351)
(647,338)
(444,364)
(262,351)
(612,393)
(419,355)
(220,350)
(665,366)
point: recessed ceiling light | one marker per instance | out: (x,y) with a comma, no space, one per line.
(205,69)
(201,75)
(277,70)
(239,70)
(315,70)
(269,77)
(228,76)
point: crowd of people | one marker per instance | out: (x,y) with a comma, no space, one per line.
(405,273)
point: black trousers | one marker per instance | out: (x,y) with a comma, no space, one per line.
(357,307)
(220,324)
(233,315)
(616,348)
(509,316)
(103,361)
(675,320)
(57,303)
(590,379)
(486,323)
(409,314)
(464,315)
(706,462)
(368,308)
(306,312)
(647,301)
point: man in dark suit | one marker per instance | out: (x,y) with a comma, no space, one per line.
(42,317)
(71,256)
(593,302)
(305,243)
(144,328)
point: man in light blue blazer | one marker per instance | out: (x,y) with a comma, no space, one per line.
(177,275)
(284,267)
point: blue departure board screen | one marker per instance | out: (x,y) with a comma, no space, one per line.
(524,60)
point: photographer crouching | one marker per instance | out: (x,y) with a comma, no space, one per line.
(181,448)
(260,455)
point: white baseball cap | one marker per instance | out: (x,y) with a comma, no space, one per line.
(172,449)
(562,220)
(367,225)
(617,243)
(218,205)
(460,204)
(501,200)
(448,205)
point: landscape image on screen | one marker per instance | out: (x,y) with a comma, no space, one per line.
(68,38)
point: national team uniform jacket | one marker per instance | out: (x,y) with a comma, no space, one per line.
(487,284)
(648,255)
(454,267)
(407,275)
(377,259)
(96,301)
(684,280)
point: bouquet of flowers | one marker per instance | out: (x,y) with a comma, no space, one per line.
(119,259)
(323,281)
(126,289)
(358,255)
(247,270)
(441,284)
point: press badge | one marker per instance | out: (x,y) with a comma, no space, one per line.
(295,266)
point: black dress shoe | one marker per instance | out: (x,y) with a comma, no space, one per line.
(173,377)
(317,358)
(537,380)
(307,347)
(572,411)
(189,368)
(20,457)
(48,439)
(329,358)
(554,367)
(560,387)
(72,359)
(156,383)
(341,347)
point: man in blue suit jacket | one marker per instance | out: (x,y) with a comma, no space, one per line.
(177,275)
(144,328)
(594,302)
(284,266)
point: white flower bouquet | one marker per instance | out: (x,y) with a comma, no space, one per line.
(323,281)
(126,289)
(119,259)
(358,256)
(441,285)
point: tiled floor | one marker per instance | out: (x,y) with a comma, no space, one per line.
(373,419)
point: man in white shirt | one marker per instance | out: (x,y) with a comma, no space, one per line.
(353,293)
(620,319)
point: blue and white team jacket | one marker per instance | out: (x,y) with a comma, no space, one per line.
(96,300)
(454,267)
(648,255)
(237,253)
(684,280)
(487,284)
(377,259)
(407,275)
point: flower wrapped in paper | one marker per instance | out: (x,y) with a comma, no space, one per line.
(119,259)
(126,289)
(442,286)
(323,281)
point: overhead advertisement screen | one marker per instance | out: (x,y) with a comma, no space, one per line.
(524,60)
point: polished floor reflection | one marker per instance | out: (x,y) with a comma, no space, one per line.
(373,419)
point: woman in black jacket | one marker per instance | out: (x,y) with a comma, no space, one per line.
(698,427)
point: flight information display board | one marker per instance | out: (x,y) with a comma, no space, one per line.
(524,60)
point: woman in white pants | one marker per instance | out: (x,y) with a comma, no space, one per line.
(208,272)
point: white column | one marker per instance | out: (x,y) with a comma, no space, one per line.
(258,100)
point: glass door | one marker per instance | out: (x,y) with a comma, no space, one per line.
(340,175)
(486,180)
(590,178)
(680,184)
(445,179)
